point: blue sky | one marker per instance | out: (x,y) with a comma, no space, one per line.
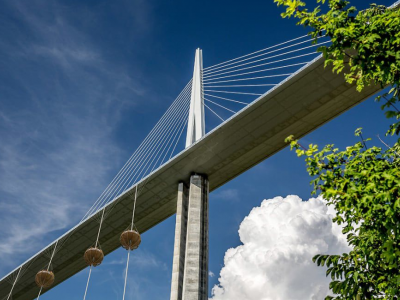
(81,85)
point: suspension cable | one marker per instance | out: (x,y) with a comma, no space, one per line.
(138,153)
(183,127)
(149,156)
(252,72)
(213,112)
(48,266)
(220,106)
(131,178)
(145,182)
(251,78)
(126,182)
(176,135)
(154,157)
(292,40)
(97,241)
(241,93)
(243,85)
(87,282)
(262,54)
(129,250)
(144,144)
(264,64)
(226,99)
(269,57)
(15,281)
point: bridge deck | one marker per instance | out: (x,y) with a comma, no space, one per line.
(302,103)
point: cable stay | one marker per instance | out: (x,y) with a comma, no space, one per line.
(118,184)
(269,57)
(213,112)
(268,63)
(232,111)
(292,40)
(251,78)
(236,86)
(252,72)
(259,55)
(138,153)
(183,125)
(136,172)
(155,165)
(241,93)
(226,99)
(180,134)
(150,157)
(160,137)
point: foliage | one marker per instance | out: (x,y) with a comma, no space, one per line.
(365,44)
(361,183)
(363,186)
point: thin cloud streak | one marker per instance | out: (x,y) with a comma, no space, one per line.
(227,194)
(141,259)
(57,125)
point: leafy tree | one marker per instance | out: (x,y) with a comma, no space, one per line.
(361,183)
(363,186)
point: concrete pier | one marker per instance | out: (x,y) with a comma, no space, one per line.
(195,285)
(180,243)
(190,264)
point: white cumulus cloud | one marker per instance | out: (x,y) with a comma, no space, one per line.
(279,240)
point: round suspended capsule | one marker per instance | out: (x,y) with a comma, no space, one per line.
(44,278)
(93,256)
(130,239)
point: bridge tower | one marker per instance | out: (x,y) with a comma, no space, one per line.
(190,262)
(196,124)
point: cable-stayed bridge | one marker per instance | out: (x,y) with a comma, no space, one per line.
(236,114)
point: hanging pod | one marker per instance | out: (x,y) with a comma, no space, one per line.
(93,256)
(130,239)
(44,278)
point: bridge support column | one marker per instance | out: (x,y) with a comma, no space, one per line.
(194,276)
(180,242)
(195,285)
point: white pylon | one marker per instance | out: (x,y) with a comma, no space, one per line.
(196,122)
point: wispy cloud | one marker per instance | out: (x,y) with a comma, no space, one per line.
(58,117)
(139,285)
(226,194)
(141,259)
